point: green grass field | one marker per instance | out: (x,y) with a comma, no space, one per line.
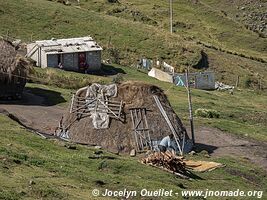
(35,168)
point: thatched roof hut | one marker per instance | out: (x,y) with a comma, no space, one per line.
(13,71)
(119,136)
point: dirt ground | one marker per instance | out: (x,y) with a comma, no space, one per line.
(219,143)
(34,113)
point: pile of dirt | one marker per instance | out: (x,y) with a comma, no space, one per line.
(119,136)
(13,71)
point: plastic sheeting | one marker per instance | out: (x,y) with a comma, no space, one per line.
(160,75)
(168,68)
(103,91)
(100,120)
(96,96)
(222,86)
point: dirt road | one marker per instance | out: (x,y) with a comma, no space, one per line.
(33,112)
(219,143)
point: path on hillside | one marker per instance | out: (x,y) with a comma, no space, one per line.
(219,143)
(33,112)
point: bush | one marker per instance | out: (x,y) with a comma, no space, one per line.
(118,78)
(207,113)
(248,82)
(114,55)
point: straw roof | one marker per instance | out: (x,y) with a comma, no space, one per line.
(13,68)
(119,136)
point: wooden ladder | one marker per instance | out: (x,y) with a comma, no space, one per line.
(140,129)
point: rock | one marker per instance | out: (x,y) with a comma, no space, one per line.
(73,147)
(98,147)
(180,185)
(22,193)
(245,158)
(192,153)
(17,161)
(16,42)
(94,157)
(207,155)
(31,182)
(133,153)
(113,1)
(204,152)
(100,182)
(98,152)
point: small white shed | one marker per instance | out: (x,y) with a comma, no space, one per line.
(200,80)
(75,54)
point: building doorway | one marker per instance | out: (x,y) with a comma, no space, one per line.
(82,62)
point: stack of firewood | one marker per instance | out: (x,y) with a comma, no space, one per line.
(167,161)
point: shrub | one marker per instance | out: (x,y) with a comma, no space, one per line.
(207,113)
(118,78)
(114,54)
(248,82)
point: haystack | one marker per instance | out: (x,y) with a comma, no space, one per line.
(119,136)
(13,71)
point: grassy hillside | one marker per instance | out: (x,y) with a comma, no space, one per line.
(252,14)
(35,168)
(43,19)
(194,19)
(134,29)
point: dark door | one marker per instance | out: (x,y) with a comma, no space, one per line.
(82,61)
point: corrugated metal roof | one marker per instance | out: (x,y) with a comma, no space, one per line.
(69,45)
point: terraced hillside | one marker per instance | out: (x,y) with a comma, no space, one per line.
(129,30)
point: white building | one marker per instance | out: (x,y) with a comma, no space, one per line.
(75,54)
(199,80)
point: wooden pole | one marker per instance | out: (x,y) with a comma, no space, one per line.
(190,106)
(171,16)
(109,41)
(7,34)
(237,81)
(31,39)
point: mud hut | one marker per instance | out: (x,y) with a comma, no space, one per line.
(140,123)
(13,71)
